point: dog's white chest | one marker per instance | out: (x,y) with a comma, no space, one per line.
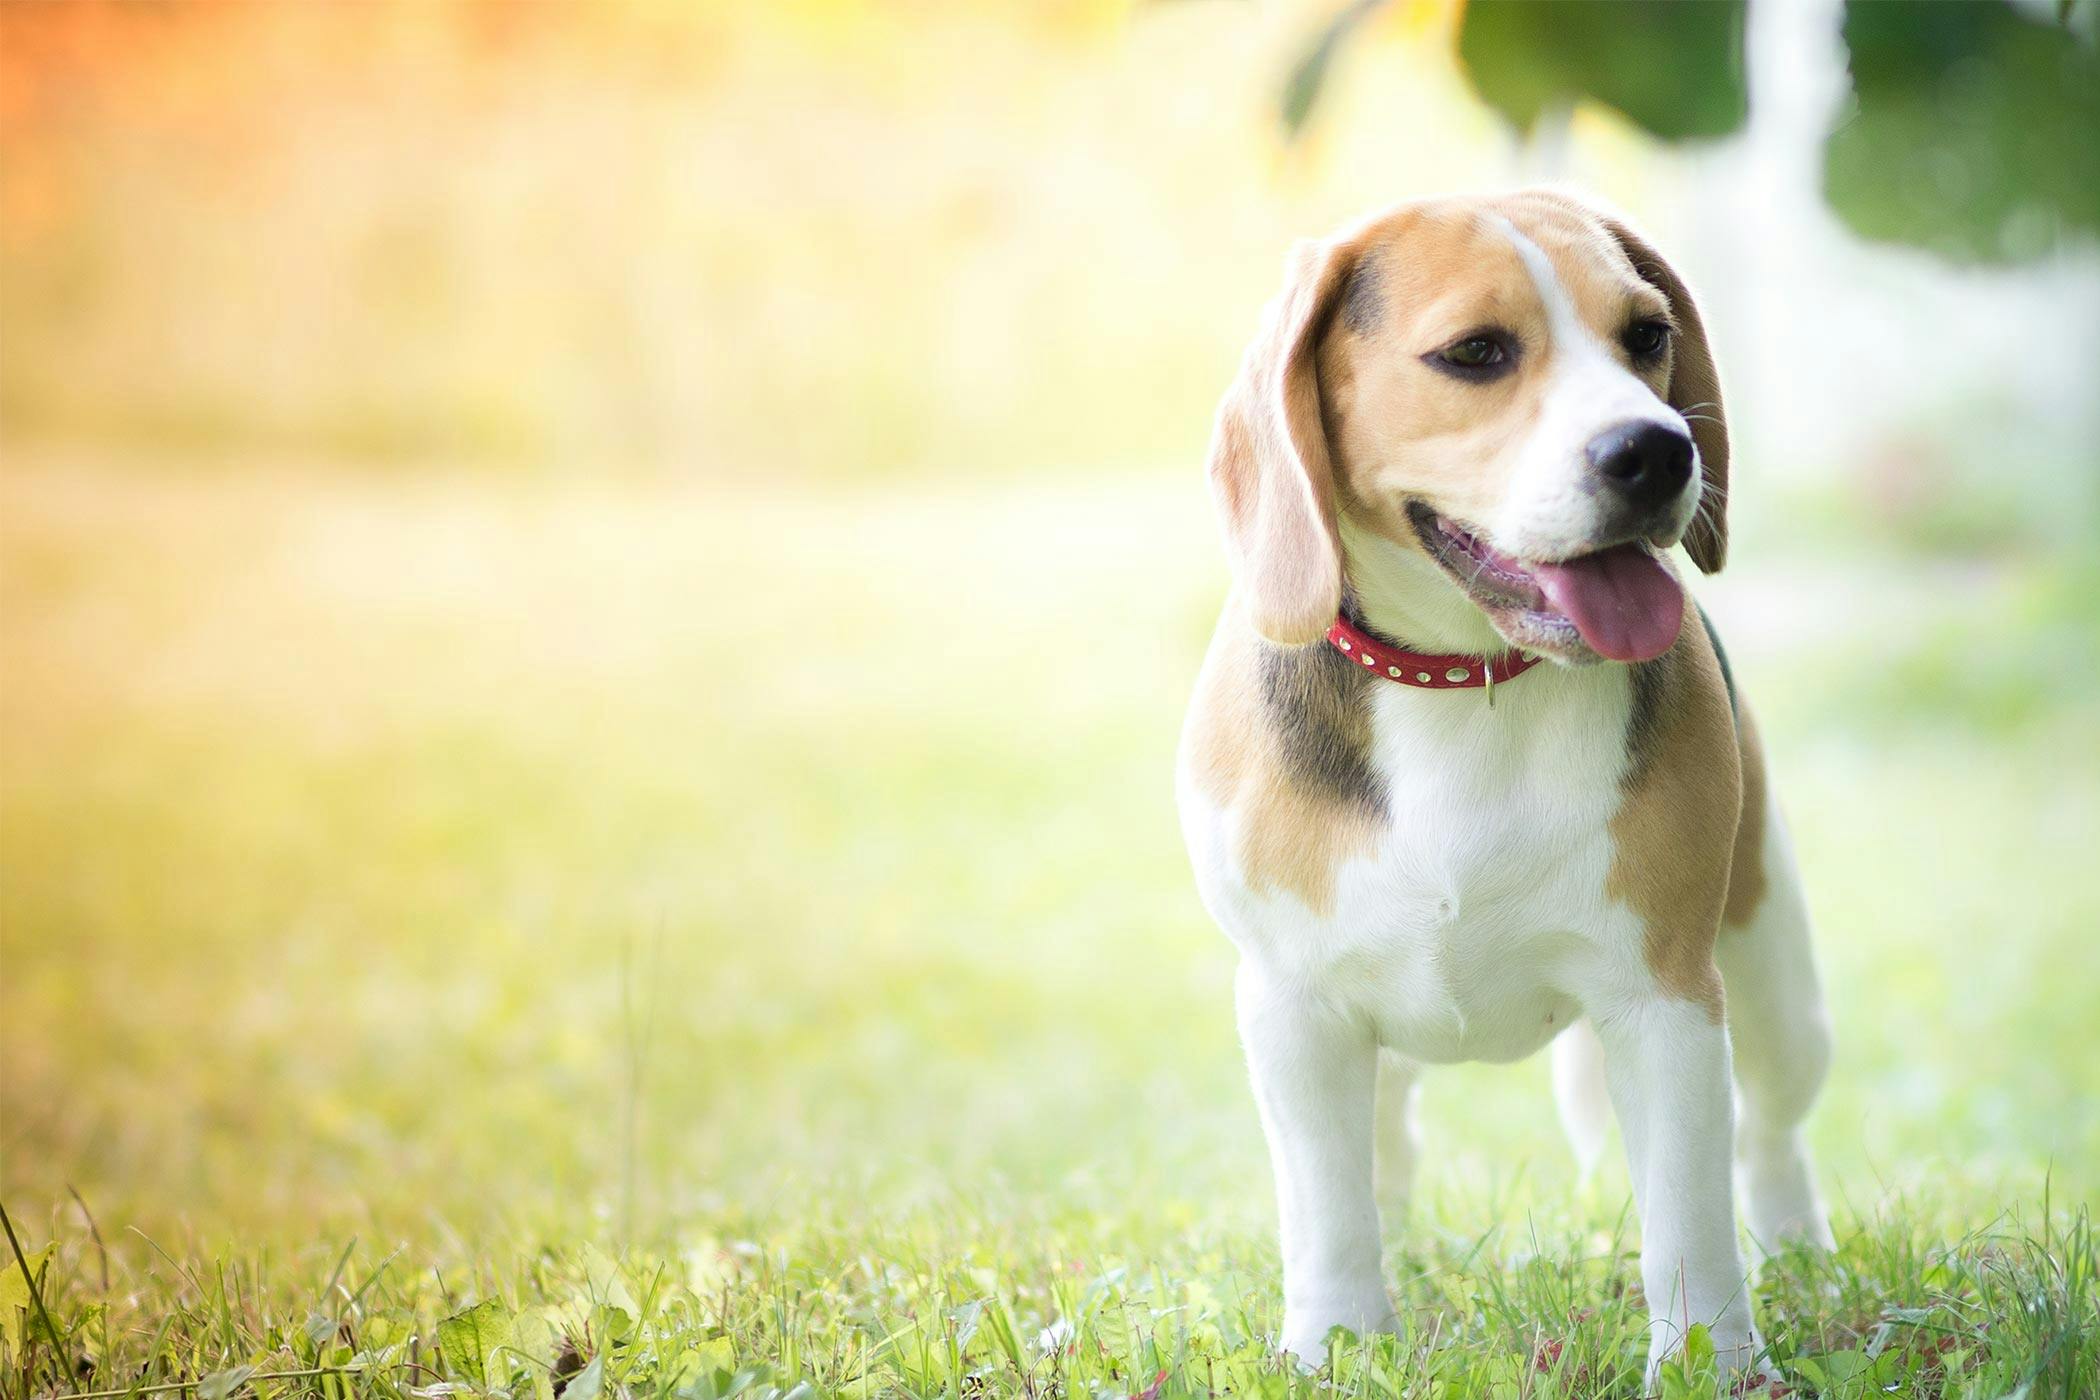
(1455,931)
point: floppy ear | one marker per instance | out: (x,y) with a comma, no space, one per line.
(1695,392)
(1270,473)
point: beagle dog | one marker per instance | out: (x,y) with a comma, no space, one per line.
(1465,774)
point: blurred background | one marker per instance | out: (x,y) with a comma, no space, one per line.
(595,600)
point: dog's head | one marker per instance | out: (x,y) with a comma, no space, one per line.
(1512,398)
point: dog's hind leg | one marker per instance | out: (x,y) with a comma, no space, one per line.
(1781,1037)
(1398,1143)
(1581,1093)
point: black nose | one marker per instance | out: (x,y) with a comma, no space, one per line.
(1647,463)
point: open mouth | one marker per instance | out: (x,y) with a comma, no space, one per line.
(1620,602)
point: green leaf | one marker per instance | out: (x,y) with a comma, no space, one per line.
(221,1384)
(740,1383)
(1832,1368)
(589,1383)
(15,1303)
(611,1323)
(1001,1328)
(1673,68)
(1309,74)
(965,1320)
(533,1338)
(468,1340)
(608,1281)
(1976,131)
(319,1328)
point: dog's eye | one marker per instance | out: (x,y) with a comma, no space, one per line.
(1474,352)
(1644,340)
(1481,354)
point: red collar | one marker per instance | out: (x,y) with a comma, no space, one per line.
(1424,671)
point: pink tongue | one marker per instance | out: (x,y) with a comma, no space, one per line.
(1627,606)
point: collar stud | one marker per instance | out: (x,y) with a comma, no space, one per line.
(1425,670)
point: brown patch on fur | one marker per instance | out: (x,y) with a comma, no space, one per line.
(1219,748)
(1429,272)
(1746,874)
(1675,831)
(1443,268)
(1281,737)
(1270,469)
(1333,404)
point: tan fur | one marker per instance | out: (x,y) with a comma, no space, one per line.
(1223,743)
(1675,831)
(1746,873)
(1290,837)
(1362,414)
(1331,407)
(1442,268)
(1269,468)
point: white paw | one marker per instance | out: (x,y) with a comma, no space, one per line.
(1306,1325)
(1783,1233)
(1779,1197)
(1737,1350)
(1787,1219)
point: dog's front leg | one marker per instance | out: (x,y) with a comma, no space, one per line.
(1315,1069)
(1667,1063)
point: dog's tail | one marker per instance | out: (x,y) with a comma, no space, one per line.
(1581,1093)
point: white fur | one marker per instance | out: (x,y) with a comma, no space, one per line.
(1581,1093)
(1477,927)
(1547,513)
(1782,1051)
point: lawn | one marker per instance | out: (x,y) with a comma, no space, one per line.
(470,936)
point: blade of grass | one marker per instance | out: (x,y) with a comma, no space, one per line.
(36,1292)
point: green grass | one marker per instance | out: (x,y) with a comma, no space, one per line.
(744,941)
(1001,1296)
